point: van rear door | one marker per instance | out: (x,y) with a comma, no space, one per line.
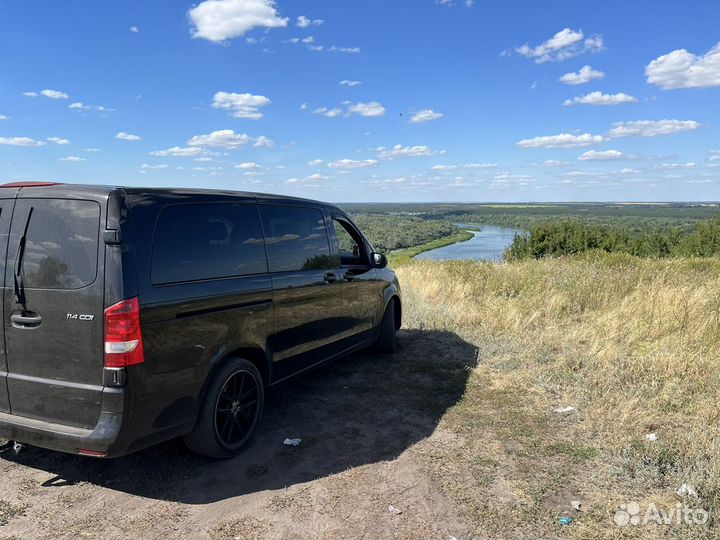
(53,310)
(6,208)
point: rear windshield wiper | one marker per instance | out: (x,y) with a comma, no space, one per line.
(17,274)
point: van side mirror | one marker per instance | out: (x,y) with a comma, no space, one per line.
(378,260)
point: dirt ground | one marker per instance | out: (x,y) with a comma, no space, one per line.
(367,425)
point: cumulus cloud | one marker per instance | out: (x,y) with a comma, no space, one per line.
(248,165)
(58,140)
(240,105)
(352,163)
(350,83)
(4,117)
(315,162)
(134,29)
(404,151)
(604,155)
(651,128)
(20,141)
(598,98)
(80,106)
(347,50)
(584,75)
(308,179)
(303,22)
(227,138)
(123,136)
(370,109)
(562,140)
(219,20)
(72,158)
(330,113)
(426,115)
(51,94)
(177,151)
(567,43)
(148,167)
(683,69)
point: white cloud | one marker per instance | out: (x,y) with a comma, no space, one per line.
(551,163)
(52,94)
(598,98)
(683,69)
(248,165)
(309,39)
(72,158)
(352,163)
(303,22)
(240,105)
(585,75)
(92,149)
(219,20)
(426,115)
(20,141)
(651,128)
(444,167)
(404,151)
(177,151)
(330,113)
(370,109)
(227,138)
(315,162)
(127,136)
(147,167)
(481,165)
(567,43)
(58,140)
(603,155)
(134,29)
(346,82)
(562,140)
(4,117)
(673,166)
(347,50)
(80,106)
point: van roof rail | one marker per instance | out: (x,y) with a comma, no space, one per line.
(29,184)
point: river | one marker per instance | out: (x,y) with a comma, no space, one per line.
(488,244)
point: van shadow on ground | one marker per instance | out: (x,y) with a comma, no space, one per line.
(360,410)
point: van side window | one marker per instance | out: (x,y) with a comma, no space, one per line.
(61,246)
(296,238)
(349,244)
(207,241)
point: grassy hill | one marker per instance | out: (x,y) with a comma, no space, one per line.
(632,344)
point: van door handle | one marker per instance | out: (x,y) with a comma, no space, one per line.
(329,278)
(25,320)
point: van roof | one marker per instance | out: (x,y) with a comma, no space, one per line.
(76,190)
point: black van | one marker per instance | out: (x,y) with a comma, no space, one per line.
(132,316)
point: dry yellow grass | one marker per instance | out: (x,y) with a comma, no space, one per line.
(633,344)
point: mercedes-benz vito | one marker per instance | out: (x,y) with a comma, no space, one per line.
(132,316)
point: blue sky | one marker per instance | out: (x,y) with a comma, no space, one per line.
(442,100)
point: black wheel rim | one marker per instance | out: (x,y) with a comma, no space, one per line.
(236,409)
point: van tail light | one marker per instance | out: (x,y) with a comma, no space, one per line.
(123,341)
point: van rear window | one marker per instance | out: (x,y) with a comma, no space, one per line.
(61,246)
(207,241)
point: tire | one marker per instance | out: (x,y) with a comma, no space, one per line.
(230,412)
(386,342)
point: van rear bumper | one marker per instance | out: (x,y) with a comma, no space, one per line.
(102,440)
(60,437)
